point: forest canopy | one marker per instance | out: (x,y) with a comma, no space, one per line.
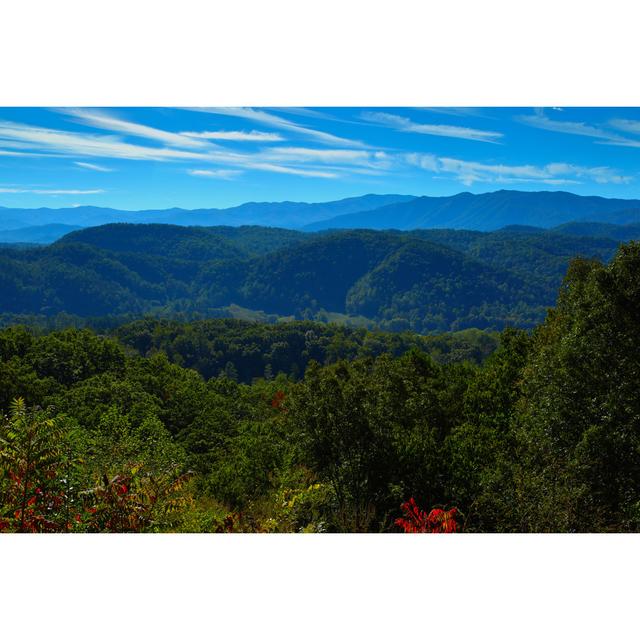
(425,281)
(222,425)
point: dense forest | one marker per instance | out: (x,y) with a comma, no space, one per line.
(426,281)
(223,425)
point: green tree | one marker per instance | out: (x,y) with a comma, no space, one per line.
(581,412)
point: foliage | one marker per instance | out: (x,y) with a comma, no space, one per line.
(423,280)
(221,425)
(414,520)
(34,472)
(135,501)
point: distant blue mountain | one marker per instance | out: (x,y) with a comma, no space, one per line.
(41,234)
(481,212)
(488,212)
(290,215)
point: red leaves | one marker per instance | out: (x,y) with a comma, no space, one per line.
(278,399)
(443,521)
(416,520)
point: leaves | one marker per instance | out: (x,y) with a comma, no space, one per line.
(415,520)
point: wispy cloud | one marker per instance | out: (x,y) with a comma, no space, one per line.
(99,120)
(93,167)
(540,121)
(555,173)
(278,122)
(601,135)
(401,123)
(6,152)
(352,157)
(235,136)
(85,144)
(327,161)
(52,192)
(222,174)
(628,126)
(310,173)
(17,148)
(66,143)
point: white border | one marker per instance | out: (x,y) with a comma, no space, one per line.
(319,586)
(314,53)
(305,53)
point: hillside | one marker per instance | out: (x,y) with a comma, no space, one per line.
(424,280)
(219,425)
(621,232)
(537,255)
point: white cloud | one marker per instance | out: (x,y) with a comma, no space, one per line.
(555,173)
(235,136)
(93,167)
(4,152)
(222,174)
(90,145)
(632,126)
(99,120)
(277,122)
(327,163)
(401,123)
(426,161)
(628,126)
(84,144)
(52,192)
(25,149)
(371,159)
(311,173)
(600,135)
(540,121)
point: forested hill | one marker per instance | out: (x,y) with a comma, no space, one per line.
(425,280)
(229,426)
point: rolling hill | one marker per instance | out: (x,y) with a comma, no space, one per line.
(425,280)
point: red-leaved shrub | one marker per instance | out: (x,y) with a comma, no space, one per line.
(415,520)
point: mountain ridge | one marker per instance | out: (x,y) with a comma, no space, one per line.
(288,213)
(481,212)
(487,211)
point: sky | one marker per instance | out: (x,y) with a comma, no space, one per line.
(158,158)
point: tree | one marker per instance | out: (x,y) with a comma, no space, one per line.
(35,472)
(581,410)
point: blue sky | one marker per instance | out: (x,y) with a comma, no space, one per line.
(141,158)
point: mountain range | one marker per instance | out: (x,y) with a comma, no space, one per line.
(481,212)
(277,214)
(488,212)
